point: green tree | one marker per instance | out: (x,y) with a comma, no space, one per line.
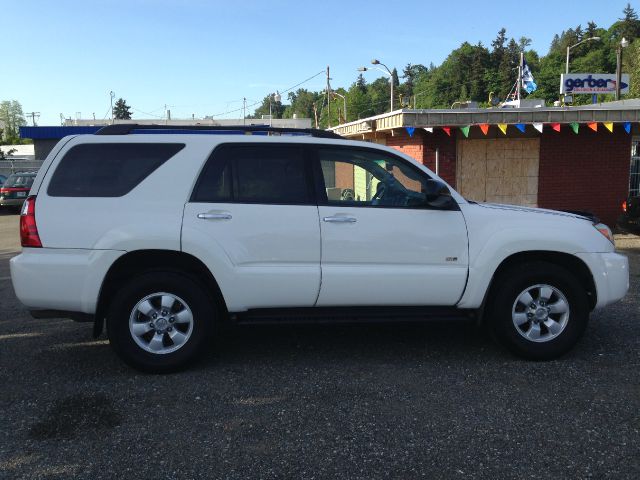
(11,118)
(121,111)
(269,107)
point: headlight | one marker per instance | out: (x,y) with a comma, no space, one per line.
(604,230)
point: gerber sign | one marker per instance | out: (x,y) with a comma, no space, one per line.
(592,83)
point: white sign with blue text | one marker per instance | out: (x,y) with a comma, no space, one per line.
(592,83)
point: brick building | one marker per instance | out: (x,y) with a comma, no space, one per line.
(587,171)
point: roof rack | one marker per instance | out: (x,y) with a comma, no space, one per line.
(128,128)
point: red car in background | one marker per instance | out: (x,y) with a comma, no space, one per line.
(15,189)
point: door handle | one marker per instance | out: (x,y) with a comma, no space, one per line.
(340,219)
(214,216)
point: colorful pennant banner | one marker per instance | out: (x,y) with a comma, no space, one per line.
(484,127)
(410,130)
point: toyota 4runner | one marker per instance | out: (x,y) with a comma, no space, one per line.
(163,234)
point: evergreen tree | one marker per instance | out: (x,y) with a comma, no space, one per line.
(121,111)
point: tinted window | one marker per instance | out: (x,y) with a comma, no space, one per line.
(255,174)
(108,169)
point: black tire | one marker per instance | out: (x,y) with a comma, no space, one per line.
(507,289)
(196,299)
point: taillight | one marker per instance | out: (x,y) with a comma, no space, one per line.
(624,206)
(28,230)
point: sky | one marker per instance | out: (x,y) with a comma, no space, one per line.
(202,57)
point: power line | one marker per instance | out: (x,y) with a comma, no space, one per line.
(260,101)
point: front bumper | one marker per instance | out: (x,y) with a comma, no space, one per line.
(610,273)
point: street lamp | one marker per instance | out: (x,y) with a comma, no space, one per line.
(574,46)
(386,71)
(276,98)
(624,43)
(344,101)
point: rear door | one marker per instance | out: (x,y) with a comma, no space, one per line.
(253,220)
(381,244)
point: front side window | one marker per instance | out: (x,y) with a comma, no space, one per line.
(257,173)
(108,169)
(369,178)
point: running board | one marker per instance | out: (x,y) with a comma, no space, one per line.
(314,315)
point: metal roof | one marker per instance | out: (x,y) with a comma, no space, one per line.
(53,133)
(629,112)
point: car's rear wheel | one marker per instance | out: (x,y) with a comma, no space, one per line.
(539,310)
(160,321)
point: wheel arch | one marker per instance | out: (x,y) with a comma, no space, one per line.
(570,262)
(139,261)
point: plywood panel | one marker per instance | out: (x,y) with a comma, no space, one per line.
(499,170)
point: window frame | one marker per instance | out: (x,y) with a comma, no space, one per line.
(321,192)
(305,159)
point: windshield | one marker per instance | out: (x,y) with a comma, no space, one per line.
(19,181)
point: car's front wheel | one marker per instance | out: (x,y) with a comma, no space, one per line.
(539,310)
(160,321)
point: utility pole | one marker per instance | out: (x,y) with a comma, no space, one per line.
(328,98)
(112,95)
(244,110)
(33,116)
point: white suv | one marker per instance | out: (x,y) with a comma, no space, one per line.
(166,233)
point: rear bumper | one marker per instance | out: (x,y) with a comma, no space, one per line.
(12,202)
(610,273)
(61,279)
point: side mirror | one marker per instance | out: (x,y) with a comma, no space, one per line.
(438,195)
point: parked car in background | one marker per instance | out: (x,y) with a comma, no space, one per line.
(15,189)
(630,218)
(3,178)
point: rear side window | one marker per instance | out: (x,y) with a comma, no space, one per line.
(273,174)
(108,169)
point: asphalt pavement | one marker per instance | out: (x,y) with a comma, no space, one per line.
(437,400)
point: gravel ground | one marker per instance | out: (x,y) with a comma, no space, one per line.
(382,401)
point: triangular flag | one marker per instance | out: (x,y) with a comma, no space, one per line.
(538,126)
(429,129)
(465,130)
(410,130)
(503,128)
(520,126)
(593,126)
(608,126)
(447,130)
(555,126)
(575,126)
(484,127)
(627,127)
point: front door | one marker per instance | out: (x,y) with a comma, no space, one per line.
(381,244)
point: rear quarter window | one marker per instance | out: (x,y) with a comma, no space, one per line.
(108,169)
